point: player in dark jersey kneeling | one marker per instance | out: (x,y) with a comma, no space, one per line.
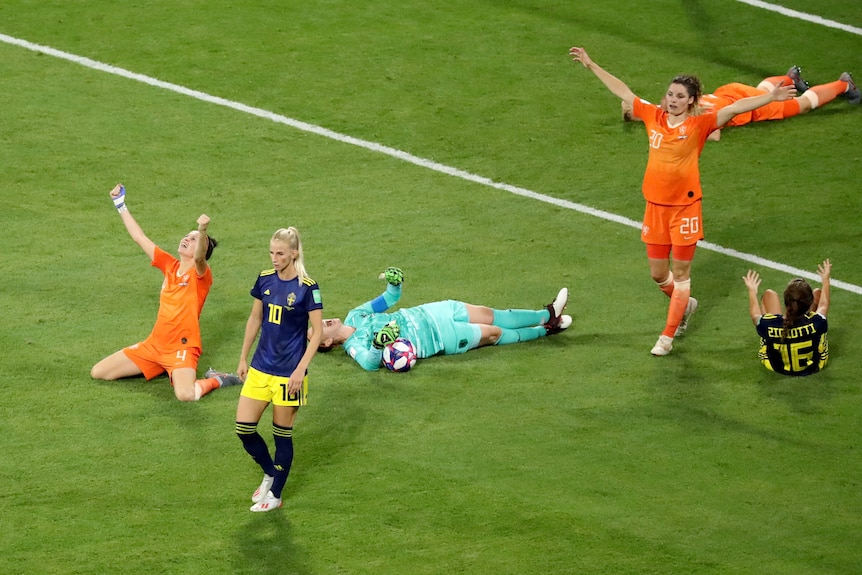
(794,343)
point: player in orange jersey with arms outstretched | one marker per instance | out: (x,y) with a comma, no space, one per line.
(673,221)
(174,345)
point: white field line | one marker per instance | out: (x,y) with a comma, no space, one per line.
(401,155)
(803,16)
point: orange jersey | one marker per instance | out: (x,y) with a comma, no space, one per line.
(180,303)
(672,175)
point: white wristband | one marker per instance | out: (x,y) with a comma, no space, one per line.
(120,201)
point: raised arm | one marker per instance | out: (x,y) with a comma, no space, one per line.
(779,94)
(752,282)
(394,278)
(118,195)
(611,82)
(202,245)
(824,270)
(361,345)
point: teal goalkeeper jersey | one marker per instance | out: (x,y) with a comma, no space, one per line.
(417,324)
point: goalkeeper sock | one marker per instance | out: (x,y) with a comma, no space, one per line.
(255,446)
(521,334)
(283,457)
(517,318)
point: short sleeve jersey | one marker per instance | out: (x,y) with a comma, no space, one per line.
(283,331)
(804,351)
(672,176)
(181,301)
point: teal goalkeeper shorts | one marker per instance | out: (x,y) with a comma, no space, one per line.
(457,334)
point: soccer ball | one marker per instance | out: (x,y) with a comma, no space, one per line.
(400,355)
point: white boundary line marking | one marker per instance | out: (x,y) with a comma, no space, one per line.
(803,16)
(401,155)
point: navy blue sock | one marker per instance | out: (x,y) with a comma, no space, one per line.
(255,446)
(283,456)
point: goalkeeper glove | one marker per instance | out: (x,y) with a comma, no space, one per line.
(394,276)
(120,199)
(387,334)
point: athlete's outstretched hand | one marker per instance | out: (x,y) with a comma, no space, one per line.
(394,276)
(387,334)
(824,270)
(203,222)
(752,280)
(118,195)
(580,55)
(782,92)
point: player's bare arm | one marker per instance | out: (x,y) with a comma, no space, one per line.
(252,328)
(752,282)
(611,82)
(779,94)
(202,245)
(118,196)
(824,270)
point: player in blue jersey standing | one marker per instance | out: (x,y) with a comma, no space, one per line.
(287,308)
(793,343)
(440,328)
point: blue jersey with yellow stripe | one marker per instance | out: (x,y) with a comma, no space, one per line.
(283,331)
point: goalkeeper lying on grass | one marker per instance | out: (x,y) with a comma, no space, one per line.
(444,327)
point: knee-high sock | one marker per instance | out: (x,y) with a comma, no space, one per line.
(824,93)
(521,334)
(255,446)
(517,318)
(667,285)
(283,456)
(770,83)
(676,309)
(204,386)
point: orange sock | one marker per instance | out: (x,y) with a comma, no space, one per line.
(770,83)
(676,309)
(667,285)
(204,386)
(825,93)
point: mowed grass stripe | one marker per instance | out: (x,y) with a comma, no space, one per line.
(401,155)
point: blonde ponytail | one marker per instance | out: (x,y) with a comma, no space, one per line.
(291,237)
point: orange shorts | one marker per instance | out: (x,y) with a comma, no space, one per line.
(153,360)
(672,225)
(772,111)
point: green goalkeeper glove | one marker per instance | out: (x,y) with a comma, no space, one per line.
(394,276)
(387,334)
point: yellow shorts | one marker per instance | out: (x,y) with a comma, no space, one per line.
(273,389)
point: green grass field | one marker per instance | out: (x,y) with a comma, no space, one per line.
(576,454)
